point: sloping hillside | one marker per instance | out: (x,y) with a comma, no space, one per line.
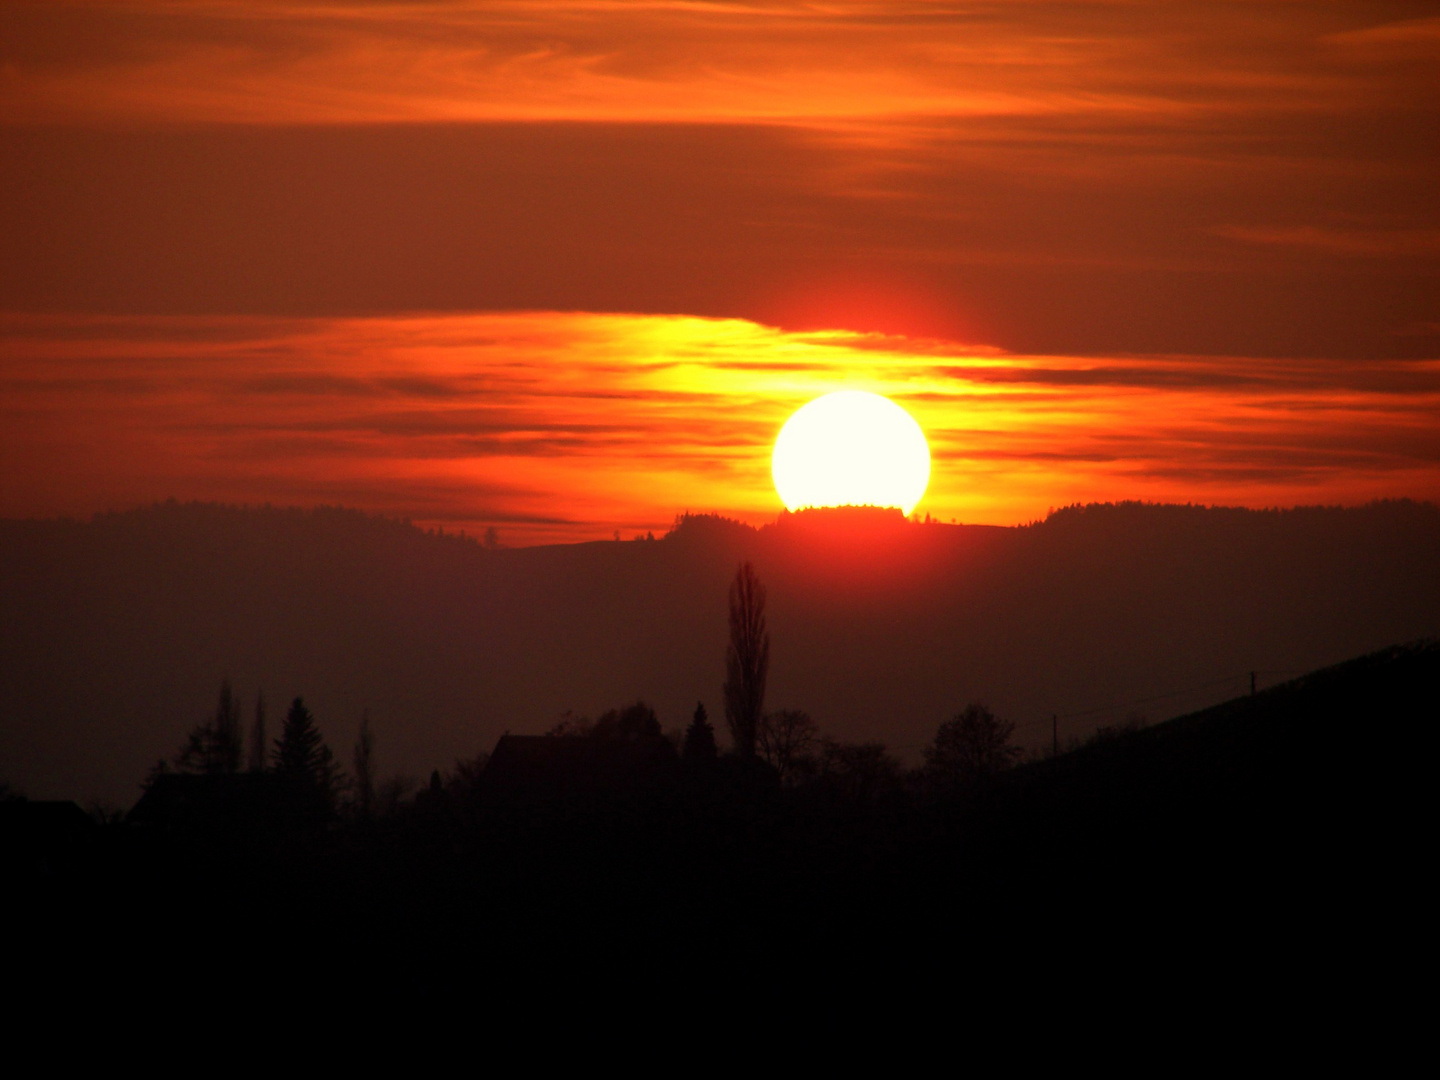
(1292,783)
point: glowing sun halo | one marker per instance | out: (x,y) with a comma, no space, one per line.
(851,448)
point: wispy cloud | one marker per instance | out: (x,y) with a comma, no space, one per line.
(568,426)
(1379,243)
(300,61)
(1056,176)
(1405,37)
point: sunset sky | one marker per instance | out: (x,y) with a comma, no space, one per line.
(564,268)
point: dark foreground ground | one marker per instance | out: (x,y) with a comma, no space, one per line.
(1276,839)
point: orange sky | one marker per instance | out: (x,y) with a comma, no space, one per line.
(275,251)
(832,62)
(552,426)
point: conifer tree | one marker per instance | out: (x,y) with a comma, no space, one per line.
(302,757)
(699,737)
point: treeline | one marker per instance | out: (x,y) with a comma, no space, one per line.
(299,760)
(790,752)
(784,749)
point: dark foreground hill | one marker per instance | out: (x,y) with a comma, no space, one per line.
(116,633)
(1281,834)
(1287,785)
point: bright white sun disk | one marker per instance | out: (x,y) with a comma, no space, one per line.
(851,448)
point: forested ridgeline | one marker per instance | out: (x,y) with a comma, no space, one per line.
(114,633)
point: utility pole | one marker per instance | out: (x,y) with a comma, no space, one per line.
(1054,735)
(1252,684)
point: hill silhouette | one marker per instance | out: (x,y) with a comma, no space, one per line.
(116,632)
(1276,787)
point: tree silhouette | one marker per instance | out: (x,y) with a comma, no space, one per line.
(215,748)
(785,739)
(257,736)
(571,726)
(302,757)
(747,660)
(859,773)
(464,783)
(364,767)
(229,742)
(971,747)
(632,723)
(700,737)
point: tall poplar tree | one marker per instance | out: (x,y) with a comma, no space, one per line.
(364,767)
(257,736)
(747,660)
(215,748)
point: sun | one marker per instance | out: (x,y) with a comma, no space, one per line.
(851,448)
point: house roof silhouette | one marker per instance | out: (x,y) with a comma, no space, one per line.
(208,802)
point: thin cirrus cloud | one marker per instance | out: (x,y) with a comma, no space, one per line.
(303,62)
(557,427)
(1373,242)
(1046,177)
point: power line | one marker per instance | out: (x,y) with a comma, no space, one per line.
(1154,697)
(1251,675)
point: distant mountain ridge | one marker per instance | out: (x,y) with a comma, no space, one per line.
(115,633)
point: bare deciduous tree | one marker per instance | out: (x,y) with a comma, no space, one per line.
(786,739)
(971,747)
(859,773)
